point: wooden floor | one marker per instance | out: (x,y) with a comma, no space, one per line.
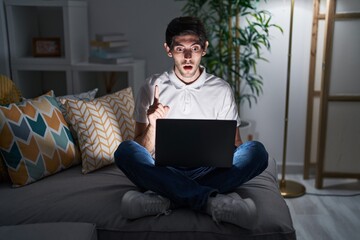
(326,217)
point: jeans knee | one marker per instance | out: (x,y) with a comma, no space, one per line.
(121,152)
(259,153)
(262,155)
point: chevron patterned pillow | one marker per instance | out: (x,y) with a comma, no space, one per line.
(61,100)
(101,125)
(87,96)
(35,139)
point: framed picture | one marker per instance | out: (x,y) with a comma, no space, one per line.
(46,47)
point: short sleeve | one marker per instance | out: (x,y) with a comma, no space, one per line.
(229,108)
(142,103)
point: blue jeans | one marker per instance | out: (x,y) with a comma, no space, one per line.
(190,187)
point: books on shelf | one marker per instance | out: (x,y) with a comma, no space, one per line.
(109,44)
(94,59)
(103,53)
(110,48)
(107,37)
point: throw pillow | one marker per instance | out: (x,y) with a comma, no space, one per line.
(4,175)
(9,93)
(101,125)
(86,96)
(35,139)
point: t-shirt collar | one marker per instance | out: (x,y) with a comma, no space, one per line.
(180,84)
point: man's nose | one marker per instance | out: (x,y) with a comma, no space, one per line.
(187,53)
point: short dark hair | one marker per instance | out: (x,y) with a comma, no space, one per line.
(181,26)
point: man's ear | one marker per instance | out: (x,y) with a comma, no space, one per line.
(168,50)
(205,48)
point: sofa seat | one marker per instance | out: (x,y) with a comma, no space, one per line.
(53,231)
(70,196)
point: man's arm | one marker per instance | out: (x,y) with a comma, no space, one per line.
(145,132)
(238,140)
(145,135)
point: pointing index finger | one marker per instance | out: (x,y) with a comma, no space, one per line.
(156,94)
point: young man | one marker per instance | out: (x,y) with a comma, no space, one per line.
(187,91)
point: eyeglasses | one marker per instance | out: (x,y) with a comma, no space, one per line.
(193,49)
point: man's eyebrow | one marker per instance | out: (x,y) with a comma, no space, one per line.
(179,44)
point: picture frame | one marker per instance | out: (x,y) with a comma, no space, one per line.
(46,47)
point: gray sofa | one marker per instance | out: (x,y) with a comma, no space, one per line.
(49,231)
(95,198)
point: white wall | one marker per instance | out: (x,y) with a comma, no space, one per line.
(269,113)
(145,22)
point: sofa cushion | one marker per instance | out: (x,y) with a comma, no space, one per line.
(35,139)
(101,125)
(53,231)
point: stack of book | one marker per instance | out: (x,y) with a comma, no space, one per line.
(110,48)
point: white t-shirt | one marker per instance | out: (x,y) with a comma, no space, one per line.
(209,97)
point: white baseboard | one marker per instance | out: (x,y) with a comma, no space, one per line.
(291,168)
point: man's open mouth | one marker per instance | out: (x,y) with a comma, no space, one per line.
(188,67)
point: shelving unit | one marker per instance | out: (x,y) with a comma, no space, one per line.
(85,78)
(34,80)
(67,20)
(64,19)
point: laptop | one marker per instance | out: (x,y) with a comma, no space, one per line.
(194,143)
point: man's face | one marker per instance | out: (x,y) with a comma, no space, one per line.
(187,54)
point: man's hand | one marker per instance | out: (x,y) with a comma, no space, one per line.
(156,110)
(145,133)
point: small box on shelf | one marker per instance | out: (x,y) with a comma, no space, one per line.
(46,47)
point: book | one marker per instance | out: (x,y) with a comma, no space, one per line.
(108,37)
(102,53)
(110,49)
(104,44)
(93,59)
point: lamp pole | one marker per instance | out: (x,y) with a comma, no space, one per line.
(289,188)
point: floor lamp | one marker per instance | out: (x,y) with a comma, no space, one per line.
(289,188)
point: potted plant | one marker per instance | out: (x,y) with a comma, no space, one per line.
(237,32)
